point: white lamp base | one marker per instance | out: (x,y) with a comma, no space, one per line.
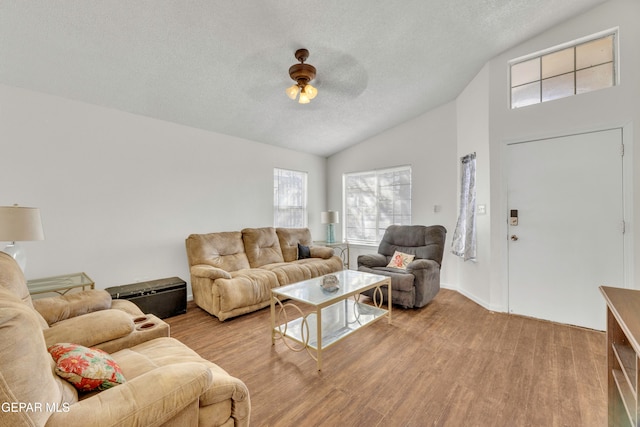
(16,252)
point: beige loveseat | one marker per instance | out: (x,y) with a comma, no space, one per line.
(166,383)
(232,273)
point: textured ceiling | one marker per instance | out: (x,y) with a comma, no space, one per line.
(222,65)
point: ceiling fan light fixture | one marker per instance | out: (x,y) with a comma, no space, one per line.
(302,74)
(292,92)
(304,98)
(310,91)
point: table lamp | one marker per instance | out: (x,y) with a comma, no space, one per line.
(330,218)
(17,224)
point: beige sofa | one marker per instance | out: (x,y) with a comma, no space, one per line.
(232,273)
(166,382)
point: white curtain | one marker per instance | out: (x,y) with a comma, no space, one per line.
(464,237)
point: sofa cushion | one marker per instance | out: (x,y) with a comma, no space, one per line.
(400,280)
(13,281)
(323,252)
(86,368)
(26,373)
(262,246)
(61,307)
(223,250)
(289,239)
(303,269)
(215,403)
(246,287)
(320,266)
(82,330)
(289,272)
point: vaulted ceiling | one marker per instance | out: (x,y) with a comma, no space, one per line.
(223,65)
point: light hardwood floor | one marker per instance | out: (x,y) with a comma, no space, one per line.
(451,363)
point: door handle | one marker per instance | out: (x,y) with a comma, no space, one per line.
(514,237)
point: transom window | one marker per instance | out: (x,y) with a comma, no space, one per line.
(289,198)
(373,200)
(563,71)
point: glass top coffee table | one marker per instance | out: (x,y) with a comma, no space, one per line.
(332,315)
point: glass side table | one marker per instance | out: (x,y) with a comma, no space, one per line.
(60,284)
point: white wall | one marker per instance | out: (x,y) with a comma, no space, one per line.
(119,193)
(428,144)
(474,278)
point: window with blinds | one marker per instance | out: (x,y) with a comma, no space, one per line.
(289,198)
(373,200)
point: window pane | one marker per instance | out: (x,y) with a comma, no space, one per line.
(594,78)
(557,63)
(522,96)
(594,52)
(580,68)
(386,194)
(289,198)
(384,223)
(403,192)
(374,200)
(525,72)
(402,208)
(385,179)
(404,220)
(558,87)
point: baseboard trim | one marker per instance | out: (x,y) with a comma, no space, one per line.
(473,298)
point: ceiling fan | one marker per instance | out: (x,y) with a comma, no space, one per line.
(302,74)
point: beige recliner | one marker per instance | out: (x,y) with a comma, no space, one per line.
(167,383)
(89,318)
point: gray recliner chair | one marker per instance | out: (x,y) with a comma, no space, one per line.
(419,283)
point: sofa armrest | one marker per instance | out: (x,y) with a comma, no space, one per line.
(152,398)
(55,309)
(323,252)
(372,260)
(210,272)
(427,280)
(90,329)
(126,306)
(422,264)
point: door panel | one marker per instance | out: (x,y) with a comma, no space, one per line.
(568,241)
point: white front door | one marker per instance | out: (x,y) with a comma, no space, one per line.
(568,240)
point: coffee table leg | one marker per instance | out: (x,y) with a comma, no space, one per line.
(389,301)
(319,335)
(273,320)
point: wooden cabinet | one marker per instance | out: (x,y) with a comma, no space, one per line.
(623,354)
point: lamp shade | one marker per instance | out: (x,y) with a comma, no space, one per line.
(18,223)
(330,217)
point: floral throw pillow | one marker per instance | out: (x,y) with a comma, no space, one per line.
(400,260)
(86,368)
